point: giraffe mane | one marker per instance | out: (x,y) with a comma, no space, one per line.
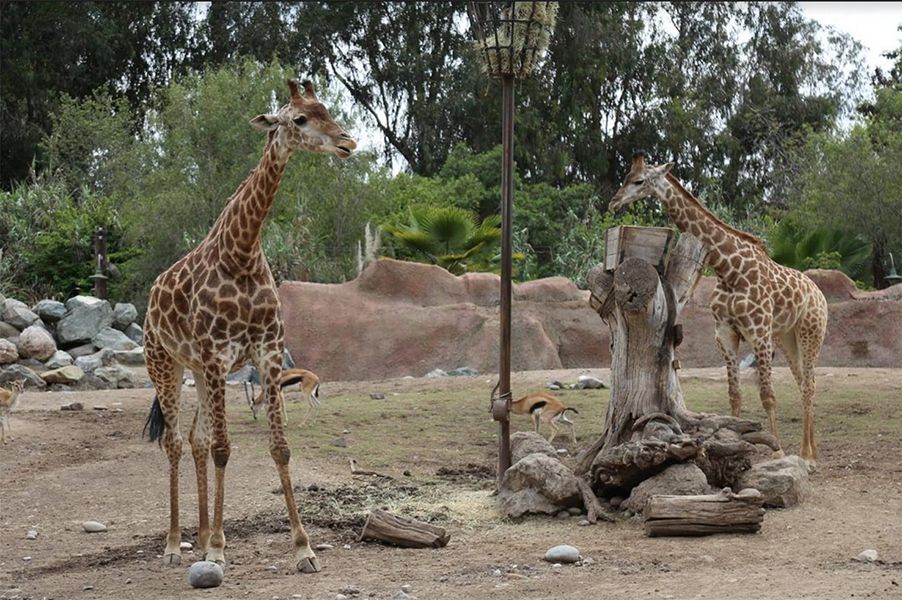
(744,235)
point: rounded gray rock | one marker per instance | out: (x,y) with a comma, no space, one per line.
(93,526)
(205,574)
(562,554)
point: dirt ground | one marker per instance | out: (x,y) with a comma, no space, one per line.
(433,438)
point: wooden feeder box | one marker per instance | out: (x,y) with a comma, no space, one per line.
(651,244)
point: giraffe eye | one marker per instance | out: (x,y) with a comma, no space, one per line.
(300,120)
(639,182)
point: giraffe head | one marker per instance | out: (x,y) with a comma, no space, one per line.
(304,123)
(640,182)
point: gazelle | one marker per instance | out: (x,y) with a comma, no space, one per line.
(8,400)
(308,383)
(543,407)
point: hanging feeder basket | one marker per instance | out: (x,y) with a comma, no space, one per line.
(512,36)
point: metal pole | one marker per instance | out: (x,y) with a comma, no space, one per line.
(507,200)
(100,288)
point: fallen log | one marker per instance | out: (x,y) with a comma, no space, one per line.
(724,512)
(385,527)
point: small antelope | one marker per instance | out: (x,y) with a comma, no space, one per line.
(308,383)
(8,401)
(542,406)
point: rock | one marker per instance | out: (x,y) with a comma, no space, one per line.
(72,406)
(59,359)
(8,352)
(124,314)
(340,597)
(341,442)
(85,316)
(407,588)
(350,590)
(377,396)
(537,483)
(36,342)
(50,311)
(554,385)
(135,333)
(92,382)
(88,363)
(463,372)
(783,482)
(616,501)
(584,523)
(684,479)
(130,357)
(7,331)
(321,547)
(107,337)
(435,374)
(182,545)
(93,526)
(70,374)
(562,554)
(17,371)
(82,350)
(524,443)
(32,534)
(587,382)
(205,574)
(868,556)
(564,514)
(17,314)
(575,511)
(117,376)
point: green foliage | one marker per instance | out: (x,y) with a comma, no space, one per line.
(448,236)
(48,248)
(795,244)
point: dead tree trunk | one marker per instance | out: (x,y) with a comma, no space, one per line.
(403,531)
(647,426)
(724,512)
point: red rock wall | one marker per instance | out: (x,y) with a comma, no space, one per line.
(401,318)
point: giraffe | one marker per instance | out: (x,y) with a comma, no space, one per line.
(217,308)
(755,299)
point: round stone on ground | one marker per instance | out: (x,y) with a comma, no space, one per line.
(205,574)
(93,526)
(563,553)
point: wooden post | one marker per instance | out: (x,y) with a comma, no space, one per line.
(100,264)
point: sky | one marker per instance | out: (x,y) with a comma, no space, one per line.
(874,24)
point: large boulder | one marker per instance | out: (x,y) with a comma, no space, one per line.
(682,479)
(17,314)
(117,376)
(7,331)
(66,375)
(130,357)
(8,352)
(524,443)
(836,285)
(85,317)
(50,311)
(59,359)
(124,314)
(15,372)
(134,333)
(113,339)
(783,482)
(538,483)
(35,342)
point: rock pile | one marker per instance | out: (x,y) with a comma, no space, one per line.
(81,343)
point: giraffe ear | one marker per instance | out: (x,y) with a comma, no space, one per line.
(665,168)
(265,122)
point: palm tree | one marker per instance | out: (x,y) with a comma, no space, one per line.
(450,237)
(793,245)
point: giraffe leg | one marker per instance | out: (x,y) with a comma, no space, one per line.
(166,376)
(727,340)
(809,338)
(763,347)
(199,438)
(214,380)
(305,559)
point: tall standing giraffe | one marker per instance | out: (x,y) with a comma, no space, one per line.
(217,308)
(755,298)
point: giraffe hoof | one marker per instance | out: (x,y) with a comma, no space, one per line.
(309,564)
(172,560)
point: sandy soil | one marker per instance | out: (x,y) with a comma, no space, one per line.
(67,467)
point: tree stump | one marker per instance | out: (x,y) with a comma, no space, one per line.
(724,512)
(403,531)
(647,425)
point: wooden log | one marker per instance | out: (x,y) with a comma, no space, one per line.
(594,509)
(385,527)
(724,512)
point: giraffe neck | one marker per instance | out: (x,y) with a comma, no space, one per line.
(690,216)
(238,229)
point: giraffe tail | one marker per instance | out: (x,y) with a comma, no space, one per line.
(155,424)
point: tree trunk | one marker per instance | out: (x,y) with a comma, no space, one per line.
(647,426)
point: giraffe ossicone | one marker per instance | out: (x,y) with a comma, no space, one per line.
(756,299)
(216,309)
